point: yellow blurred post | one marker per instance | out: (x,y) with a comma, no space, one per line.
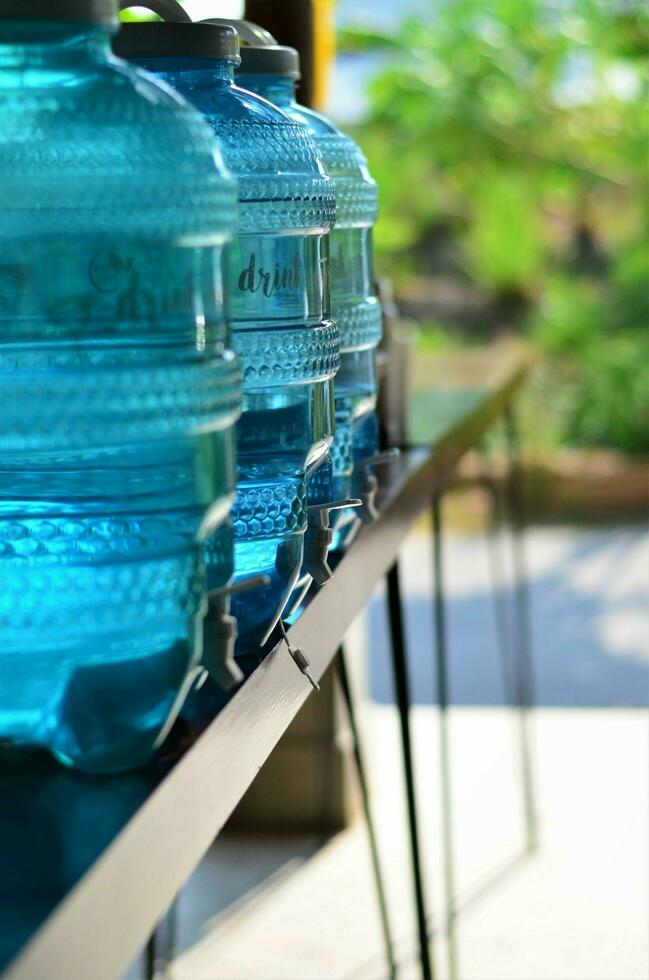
(325,50)
(309,26)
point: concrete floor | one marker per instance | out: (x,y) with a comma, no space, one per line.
(575,910)
(578,908)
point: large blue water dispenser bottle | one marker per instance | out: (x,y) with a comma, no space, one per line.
(118,394)
(272,71)
(278,294)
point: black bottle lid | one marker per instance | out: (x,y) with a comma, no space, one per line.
(174,37)
(276,60)
(260,52)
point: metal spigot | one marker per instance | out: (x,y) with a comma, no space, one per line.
(318,538)
(369,484)
(221,632)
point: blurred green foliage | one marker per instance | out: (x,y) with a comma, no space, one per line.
(516,133)
(129,16)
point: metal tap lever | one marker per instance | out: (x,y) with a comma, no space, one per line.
(387,456)
(299,658)
(319,536)
(369,484)
(221,631)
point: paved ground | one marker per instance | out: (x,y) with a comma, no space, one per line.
(576,910)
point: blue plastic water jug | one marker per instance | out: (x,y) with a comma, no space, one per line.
(272,71)
(119,395)
(278,295)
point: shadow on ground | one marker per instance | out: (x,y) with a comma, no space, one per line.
(589,644)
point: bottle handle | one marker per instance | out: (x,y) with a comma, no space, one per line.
(169,10)
(249,33)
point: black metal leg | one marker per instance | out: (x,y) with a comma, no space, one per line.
(400,669)
(345,687)
(328,779)
(441,673)
(498,588)
(522,660)
(161,947)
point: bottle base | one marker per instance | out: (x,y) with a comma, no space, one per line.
(102,706)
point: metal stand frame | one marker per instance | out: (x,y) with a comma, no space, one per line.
(442,687)
(400,670)
(361,772)
(175,812)
(513,635)
(496,561)
(161,947)
(517,676)
(523,685)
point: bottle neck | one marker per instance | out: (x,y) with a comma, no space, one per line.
(53,44)
(276,88)
(183,73)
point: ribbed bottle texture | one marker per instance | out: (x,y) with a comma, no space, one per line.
(355,306)
(288,345)
(119,395)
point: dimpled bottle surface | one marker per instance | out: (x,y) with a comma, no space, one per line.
(118,394)
(355,307)
(289,348)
